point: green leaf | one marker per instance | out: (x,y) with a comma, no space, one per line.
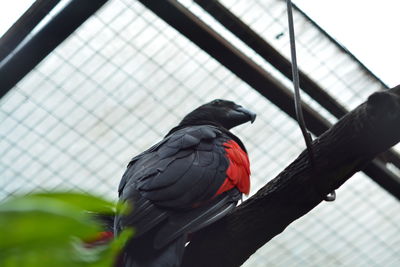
(116,246)
(105,255)
(46,229)
(31,222)
(80,200)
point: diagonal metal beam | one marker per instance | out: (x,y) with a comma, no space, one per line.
(207,39)
(25,58)
(24,25)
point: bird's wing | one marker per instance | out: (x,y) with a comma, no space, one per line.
(193,220)
(182,173)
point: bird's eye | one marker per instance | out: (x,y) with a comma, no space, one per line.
(217,101)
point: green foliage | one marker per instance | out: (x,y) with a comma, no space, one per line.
(47,229)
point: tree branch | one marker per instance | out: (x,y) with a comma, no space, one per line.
(344,149)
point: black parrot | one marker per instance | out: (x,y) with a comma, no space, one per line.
(190,179)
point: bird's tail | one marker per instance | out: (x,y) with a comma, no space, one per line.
(140,251)
(145,255)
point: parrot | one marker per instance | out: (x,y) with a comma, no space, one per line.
(191,178)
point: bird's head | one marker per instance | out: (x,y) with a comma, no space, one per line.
(220,112)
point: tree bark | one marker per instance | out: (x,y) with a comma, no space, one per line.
(343,150)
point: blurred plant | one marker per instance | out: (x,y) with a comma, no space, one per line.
(49,229)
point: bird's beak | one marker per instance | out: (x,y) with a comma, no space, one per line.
(249,113)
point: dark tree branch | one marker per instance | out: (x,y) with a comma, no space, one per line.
(344,149)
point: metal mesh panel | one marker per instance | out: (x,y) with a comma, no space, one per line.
(125,77)
(335,71)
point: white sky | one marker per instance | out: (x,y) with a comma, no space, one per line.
(368,28)
(10,11)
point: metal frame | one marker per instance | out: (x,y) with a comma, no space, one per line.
(34,50)
(25,24)
(77,11)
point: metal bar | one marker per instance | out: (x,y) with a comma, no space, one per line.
(203,36)
(384,177)
(24,25)
(392,157)
(14,68)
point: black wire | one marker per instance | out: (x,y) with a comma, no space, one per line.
(297,101)
(296,84)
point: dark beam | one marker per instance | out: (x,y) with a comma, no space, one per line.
(383,177)
(14,68)
(203,36)
(24,25)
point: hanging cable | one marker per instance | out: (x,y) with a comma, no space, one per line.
(297,101)
(296,84)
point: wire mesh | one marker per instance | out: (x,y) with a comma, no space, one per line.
(125,77)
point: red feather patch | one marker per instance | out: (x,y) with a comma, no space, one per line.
(100,239)
(238,172)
